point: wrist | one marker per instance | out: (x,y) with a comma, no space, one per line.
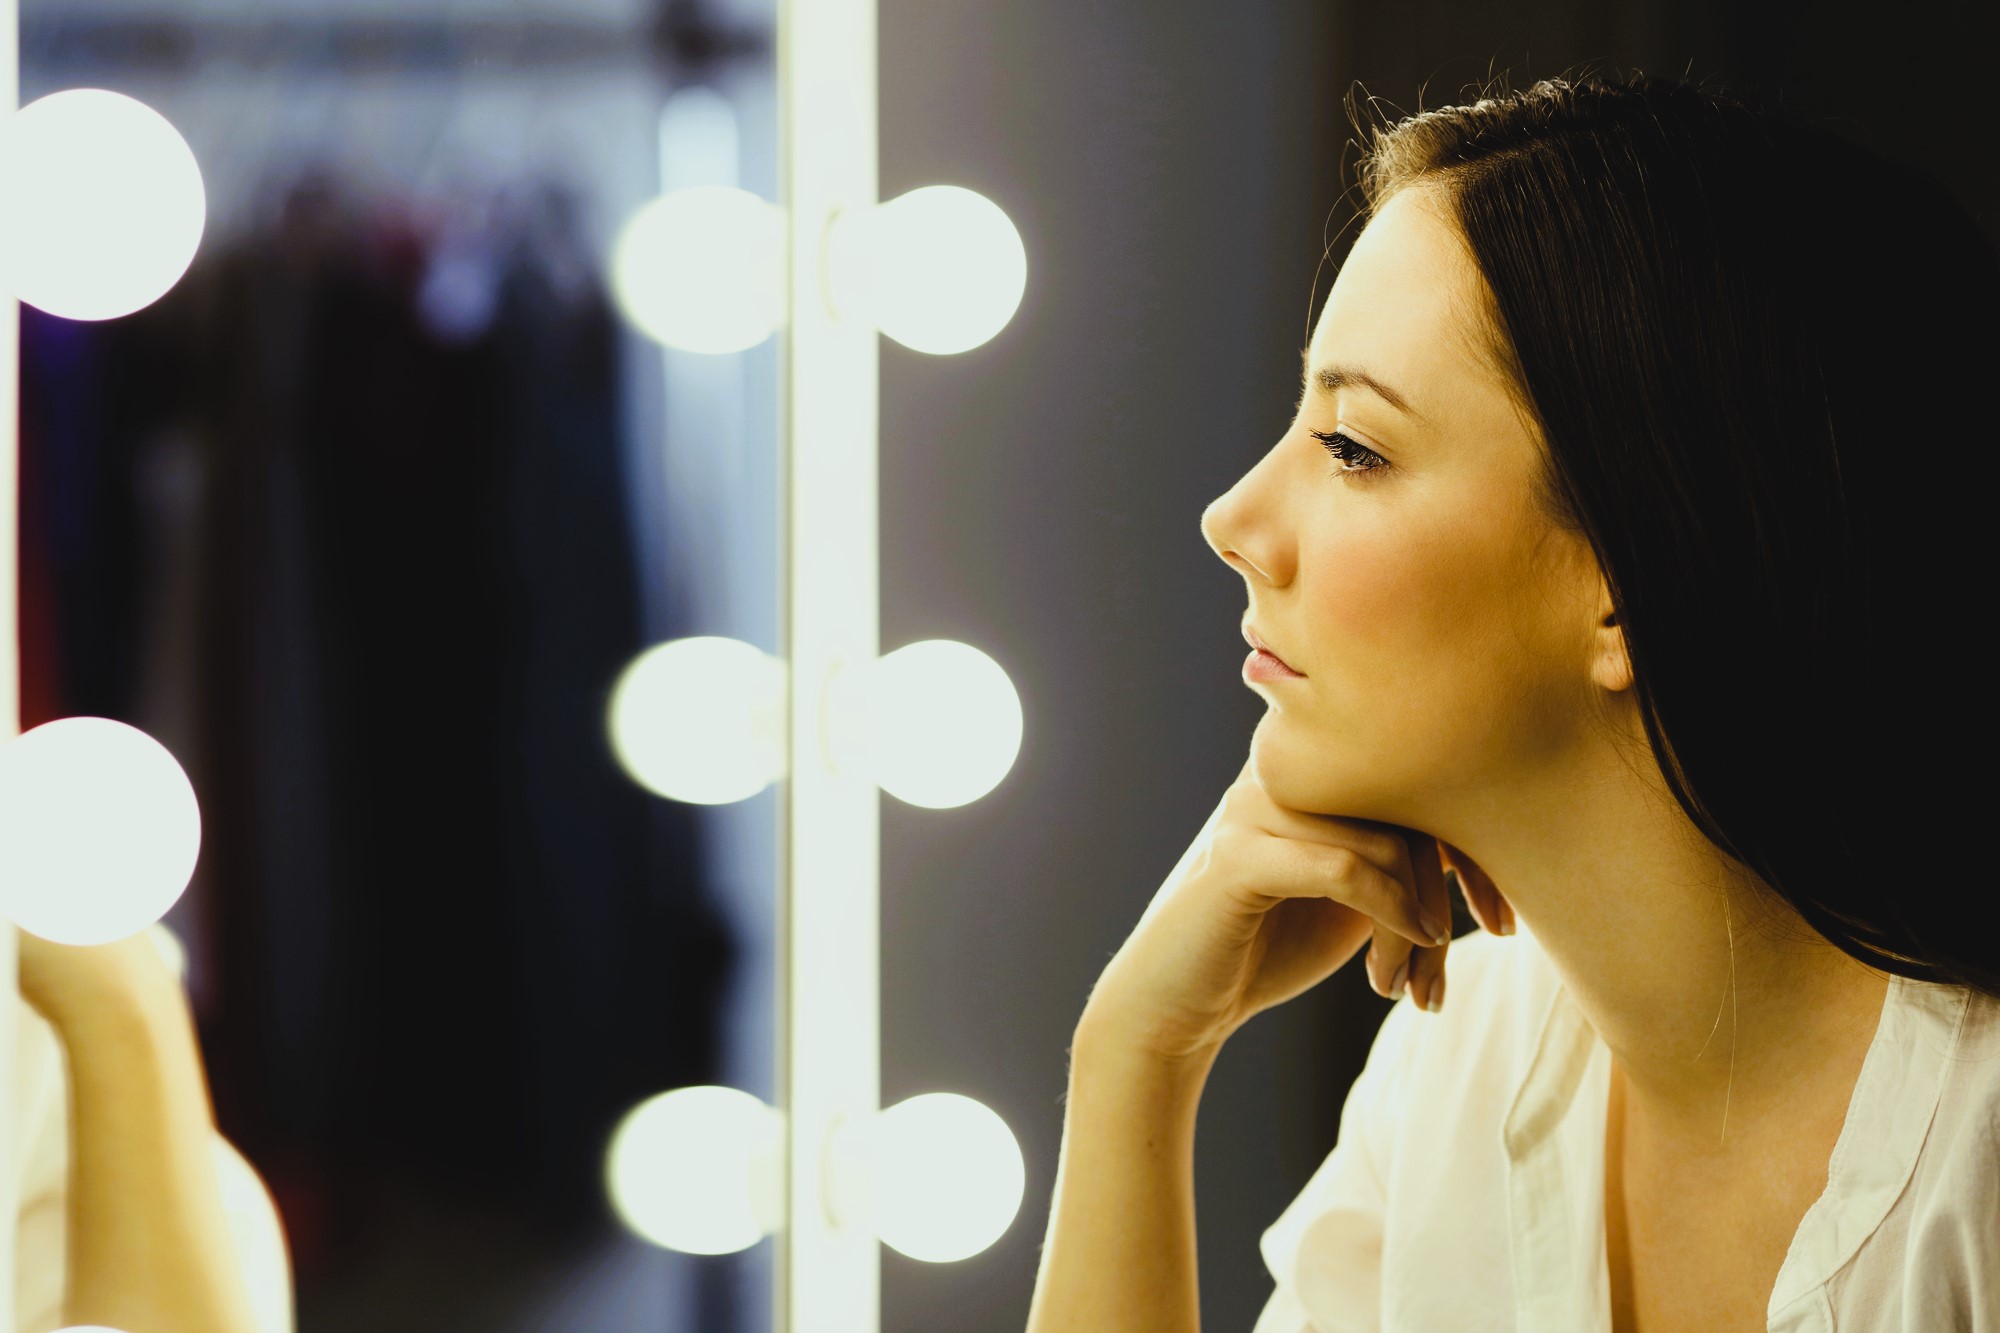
(1104,1040)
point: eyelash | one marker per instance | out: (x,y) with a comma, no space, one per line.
(1348,451)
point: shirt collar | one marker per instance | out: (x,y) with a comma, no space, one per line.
(1553,1139)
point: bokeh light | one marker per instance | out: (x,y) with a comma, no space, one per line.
(99,830)
(946,1177)
(701,719)
(702,269)
(940,269)
(101,204)
(699,1169)
(940,723)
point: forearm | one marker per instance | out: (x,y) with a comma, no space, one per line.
(149,1249)
(1120,1249)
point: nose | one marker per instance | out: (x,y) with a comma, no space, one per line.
(1248,547)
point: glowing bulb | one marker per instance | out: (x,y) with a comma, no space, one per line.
(701,719)
(701,269)
(699,1169)
(935,723)
(945,1177)
(101,204)
(99,830)
(940,269)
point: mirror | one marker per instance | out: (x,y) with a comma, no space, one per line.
(376,521)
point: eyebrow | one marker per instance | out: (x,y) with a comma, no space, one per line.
(1333,378)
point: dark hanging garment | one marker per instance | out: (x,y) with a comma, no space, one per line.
(452,942)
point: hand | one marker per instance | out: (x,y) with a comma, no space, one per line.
(67,983)
(1266,903)
(1391,952)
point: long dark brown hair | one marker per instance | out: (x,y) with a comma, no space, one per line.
(1762,361)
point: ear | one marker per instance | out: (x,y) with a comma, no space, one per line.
(1610,666)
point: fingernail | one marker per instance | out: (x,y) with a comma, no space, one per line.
(1440,935)
(1507,926)
(1437,993)
(1396,982)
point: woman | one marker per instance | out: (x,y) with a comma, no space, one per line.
(1634,605)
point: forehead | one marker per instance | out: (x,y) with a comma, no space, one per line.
(1406,306)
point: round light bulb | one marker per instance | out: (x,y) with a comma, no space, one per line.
(701,719)
(935,723)
(701,269)
(699,1169)
(945,1177)
(940,269)
(99,830)
(101,204)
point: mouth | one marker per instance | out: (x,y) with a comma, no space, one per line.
(1263,663)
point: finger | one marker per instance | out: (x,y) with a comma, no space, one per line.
(1388,963)
(1316,870)
(1494,913)
(1388,959)
(1427,964)
(1477,900)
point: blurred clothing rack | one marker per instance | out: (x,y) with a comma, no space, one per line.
(682,37)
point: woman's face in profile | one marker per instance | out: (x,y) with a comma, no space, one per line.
(1442,620)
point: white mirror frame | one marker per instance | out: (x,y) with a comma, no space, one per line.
(10,667)
(828,1269)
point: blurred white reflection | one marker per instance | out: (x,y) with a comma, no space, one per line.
(259,1235)
(701,719)
(701,270)
(99,830)
(935,723)
(699,1169)
(172,952)
(940,269)
(102,208)
(945,1176)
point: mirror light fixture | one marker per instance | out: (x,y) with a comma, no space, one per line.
(938,1177)
(701,269)
(699,1169)
(940,269)
(103,206)
(99,830)
(935,723)
(701,719)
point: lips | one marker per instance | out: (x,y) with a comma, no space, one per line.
(1251,637)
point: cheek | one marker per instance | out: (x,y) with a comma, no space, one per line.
(1433,647)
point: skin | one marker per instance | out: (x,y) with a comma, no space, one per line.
(1466,681)
(148,1245)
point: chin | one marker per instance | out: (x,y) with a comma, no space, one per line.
(1314,777)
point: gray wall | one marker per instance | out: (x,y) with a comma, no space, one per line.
(1170,168)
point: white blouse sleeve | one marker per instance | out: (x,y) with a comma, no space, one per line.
(1328,1242)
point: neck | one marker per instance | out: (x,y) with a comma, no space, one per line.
(1721,1007)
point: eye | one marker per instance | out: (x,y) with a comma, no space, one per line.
(1358,457)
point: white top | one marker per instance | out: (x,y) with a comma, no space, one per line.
(41,1171)
(1485,1123)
